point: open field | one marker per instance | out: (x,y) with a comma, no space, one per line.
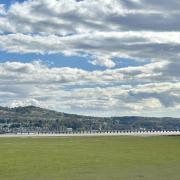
(86,158)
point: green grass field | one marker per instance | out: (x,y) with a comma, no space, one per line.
(86,158)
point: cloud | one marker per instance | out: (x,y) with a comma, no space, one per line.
(103,61)
(103,46)
(105,32)
(114,91)
(26,102)
(70,16)
(108,29)
(37,72)
(2,10)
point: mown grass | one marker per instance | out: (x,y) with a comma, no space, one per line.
(86,158)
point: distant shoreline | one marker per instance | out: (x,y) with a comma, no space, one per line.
(156,133)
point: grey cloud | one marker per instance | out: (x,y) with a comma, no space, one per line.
(151,4)
(125,28)
(143,30)
(148,22)
(130,89)
(36,72)
(87,16)
(138,45)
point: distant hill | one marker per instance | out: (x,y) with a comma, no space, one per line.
(31,118)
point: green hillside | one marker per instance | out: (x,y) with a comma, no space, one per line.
(32,118)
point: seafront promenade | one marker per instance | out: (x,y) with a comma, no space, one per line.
(107,133)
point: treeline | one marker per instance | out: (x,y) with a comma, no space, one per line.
(37,119)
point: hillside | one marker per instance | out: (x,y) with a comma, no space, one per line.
(32,118)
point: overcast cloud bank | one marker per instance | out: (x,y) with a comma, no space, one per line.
(146,31)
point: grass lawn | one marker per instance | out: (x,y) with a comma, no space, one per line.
(90,158)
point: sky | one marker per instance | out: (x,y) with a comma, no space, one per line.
(91,57)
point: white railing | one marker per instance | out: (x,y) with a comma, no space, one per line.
(96,133)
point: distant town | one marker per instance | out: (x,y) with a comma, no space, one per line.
(31,119)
